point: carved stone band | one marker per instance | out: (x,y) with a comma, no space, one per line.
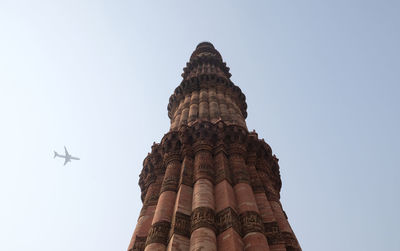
(152,199)
(204,171)
(275,238)
(181,224)
(273,234)
(271,196)
(170,183)
(251,222)
(240,176)
(271,227)
(159,233)
(140,243)
(222,171)
(239,170)
(257,186)
(203,166)
(187,172)
(202,217)
(150,179)
(290,240)
(202,146)
(236,149)
(173,156)
(227,218)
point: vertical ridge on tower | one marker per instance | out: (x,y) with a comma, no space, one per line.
(210,184)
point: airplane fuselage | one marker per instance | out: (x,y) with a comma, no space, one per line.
(68,157)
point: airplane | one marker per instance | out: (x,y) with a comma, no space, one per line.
(67,156)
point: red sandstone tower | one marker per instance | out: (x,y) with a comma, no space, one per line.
(210,184)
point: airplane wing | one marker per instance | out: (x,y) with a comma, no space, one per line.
(66,152)
(66,161)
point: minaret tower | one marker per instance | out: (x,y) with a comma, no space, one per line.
(210,184)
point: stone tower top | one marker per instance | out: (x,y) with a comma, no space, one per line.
(206,48)
(206,92)
(205,53)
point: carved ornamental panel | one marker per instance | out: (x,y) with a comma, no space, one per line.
(251,222)
(159,233)
(227,218)
(202,217)
(140,243)
(182,224)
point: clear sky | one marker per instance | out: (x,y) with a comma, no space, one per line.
(322,85)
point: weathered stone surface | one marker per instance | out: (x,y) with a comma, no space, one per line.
(280,217)
(264,207)
(255,241)
(203,166)
(183,202)
(203,239)
(178,243)
(165,207)
(230,240)
(222,167)
(203,194)
(245,198)
(279,247)
(144,221)
(155,247)
(224,196)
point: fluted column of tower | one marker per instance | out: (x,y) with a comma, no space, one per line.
(210,184)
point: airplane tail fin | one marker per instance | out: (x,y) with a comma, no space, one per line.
(55,154)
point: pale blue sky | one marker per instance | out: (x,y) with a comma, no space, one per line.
(322,85)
